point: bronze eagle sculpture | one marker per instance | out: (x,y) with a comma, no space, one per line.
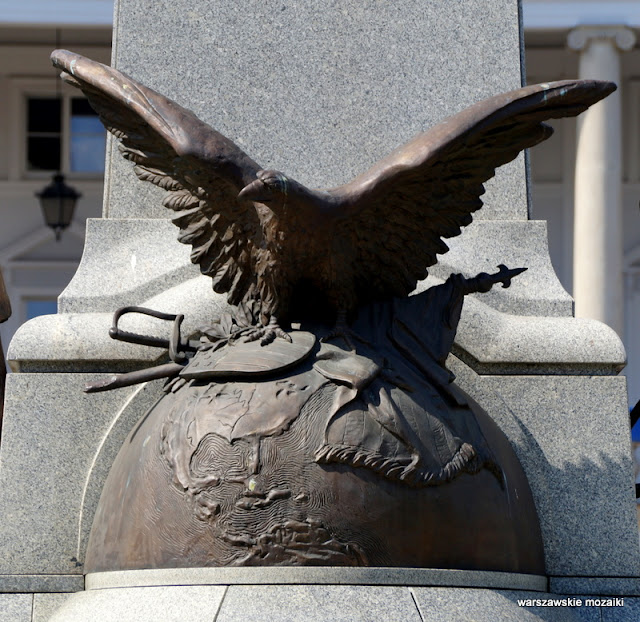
(262,236)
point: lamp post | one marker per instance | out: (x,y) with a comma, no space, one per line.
(58,202)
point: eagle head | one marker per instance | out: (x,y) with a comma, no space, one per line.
(269,186)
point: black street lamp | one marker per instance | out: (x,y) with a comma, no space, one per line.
(58,202)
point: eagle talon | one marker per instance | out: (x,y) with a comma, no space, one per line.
(267,334)
(272,333)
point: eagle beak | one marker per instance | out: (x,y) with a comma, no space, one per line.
(256,191)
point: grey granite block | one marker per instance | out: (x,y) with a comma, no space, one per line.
(22,583)
(153,604)
(448,605)
(587,612)
(571,435)
(630,612)
(45,605)
(81,479)
(539,345)
(81,342)
(126,262)
(16,607)
(401,67)
(313,603)
(602,586)
(282,575)
(368,77)
(497,343)
(57,446)
(483,245)
(327,603)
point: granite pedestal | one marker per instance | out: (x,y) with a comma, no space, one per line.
(321,91)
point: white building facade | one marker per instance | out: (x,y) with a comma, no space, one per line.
(45,128)
(586,180)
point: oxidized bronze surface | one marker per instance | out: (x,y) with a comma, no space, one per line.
(322,456)
(281,440)
(262,236)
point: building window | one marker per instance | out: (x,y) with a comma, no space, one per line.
(44,134)
(42,306)
(87,139)
(63,134)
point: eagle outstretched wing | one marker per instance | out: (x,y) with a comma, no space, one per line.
(371,239)
(396,214)
(202,170)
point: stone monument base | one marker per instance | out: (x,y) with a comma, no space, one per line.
(309,594)
(333,595)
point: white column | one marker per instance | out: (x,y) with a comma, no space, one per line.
(597,237)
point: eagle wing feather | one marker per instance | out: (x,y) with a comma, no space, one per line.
(397,213)
(201,170)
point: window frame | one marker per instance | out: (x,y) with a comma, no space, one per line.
(20,90)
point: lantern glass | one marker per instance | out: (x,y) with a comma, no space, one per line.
(58,203)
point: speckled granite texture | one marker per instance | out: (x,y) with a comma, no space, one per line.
(319,90)
(45,605)
(310,575)
(15,607)
(334,603)
(57,447)
(157,604)
(571,434)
